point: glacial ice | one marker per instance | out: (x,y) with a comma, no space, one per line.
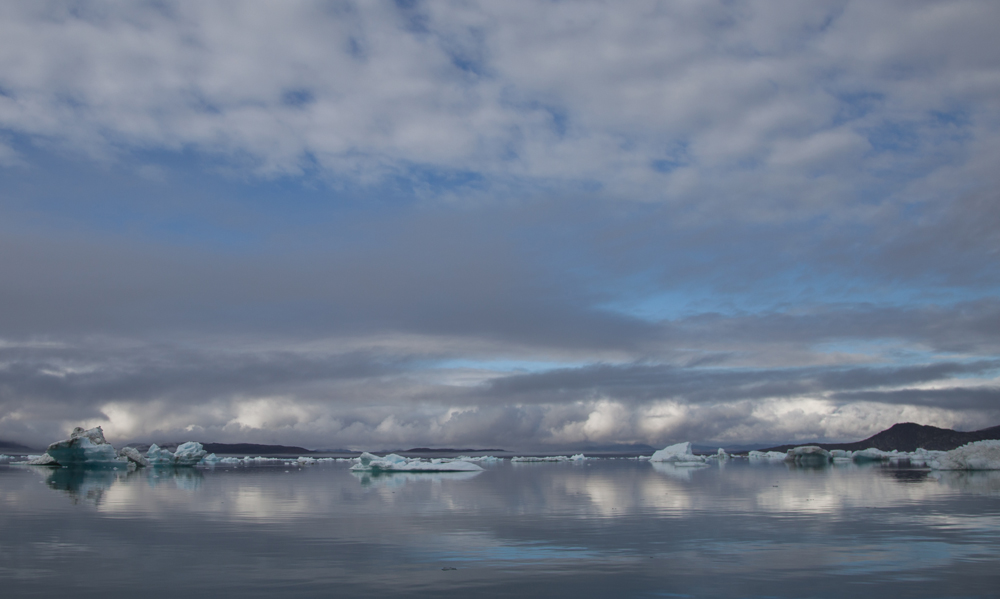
(550,458)
(770,456)
(979,455)
(187,454)
(808,455)
(395,463)
(679,454)
(84,447)
(132,454)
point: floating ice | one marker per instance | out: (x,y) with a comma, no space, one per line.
(84,447)
(395,463)
(551,458)
(485,459)
(808,455)
(679,454)
(979,455)
(41,460)
(132,454)
(720,455)
(187,454)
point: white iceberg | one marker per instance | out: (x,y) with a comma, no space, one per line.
(395,463)
(485,459)
(770,456)
(679,454)
(84,447)
(550,458)
(979,455)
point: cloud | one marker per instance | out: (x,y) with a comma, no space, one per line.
(521,223)
(523,93)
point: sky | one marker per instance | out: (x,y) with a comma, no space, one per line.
(521,224)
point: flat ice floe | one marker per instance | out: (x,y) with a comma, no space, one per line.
(980,455)
(550,458)
(678,454)
(394,463)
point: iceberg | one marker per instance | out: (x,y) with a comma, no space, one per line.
(84,447)
(550,458)
(187,454)
(979,455)
(808,455)
(679,454)
(132,454)
(770,456)
(394,463)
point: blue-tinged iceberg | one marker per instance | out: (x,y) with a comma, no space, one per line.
(187,454)
(84,447)
(395,463)
(89,448)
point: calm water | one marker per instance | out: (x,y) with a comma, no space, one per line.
(608,528)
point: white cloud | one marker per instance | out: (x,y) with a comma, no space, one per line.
(528,91)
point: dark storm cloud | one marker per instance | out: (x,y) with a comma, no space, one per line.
(957,398)
(639,383)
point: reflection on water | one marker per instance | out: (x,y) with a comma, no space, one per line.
(606,528)
(92,485)
(398,479)
(981,483)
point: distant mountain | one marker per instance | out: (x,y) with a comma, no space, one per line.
(254,449)
(908,436)
(446,450)
(11,446)
(232,448)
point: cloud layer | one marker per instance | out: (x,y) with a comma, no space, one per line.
(520,224)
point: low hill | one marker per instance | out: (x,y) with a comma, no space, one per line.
(11,446)
(908,436)
(254,449)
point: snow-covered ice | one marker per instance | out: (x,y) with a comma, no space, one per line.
(679,454)
(980,455)
(396,463)
(550,458)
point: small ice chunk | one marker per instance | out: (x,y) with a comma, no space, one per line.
(979,455)
(678,453)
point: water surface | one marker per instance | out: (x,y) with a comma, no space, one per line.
(605,528)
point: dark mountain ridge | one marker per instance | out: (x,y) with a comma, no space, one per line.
(11,446)
(908,436)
